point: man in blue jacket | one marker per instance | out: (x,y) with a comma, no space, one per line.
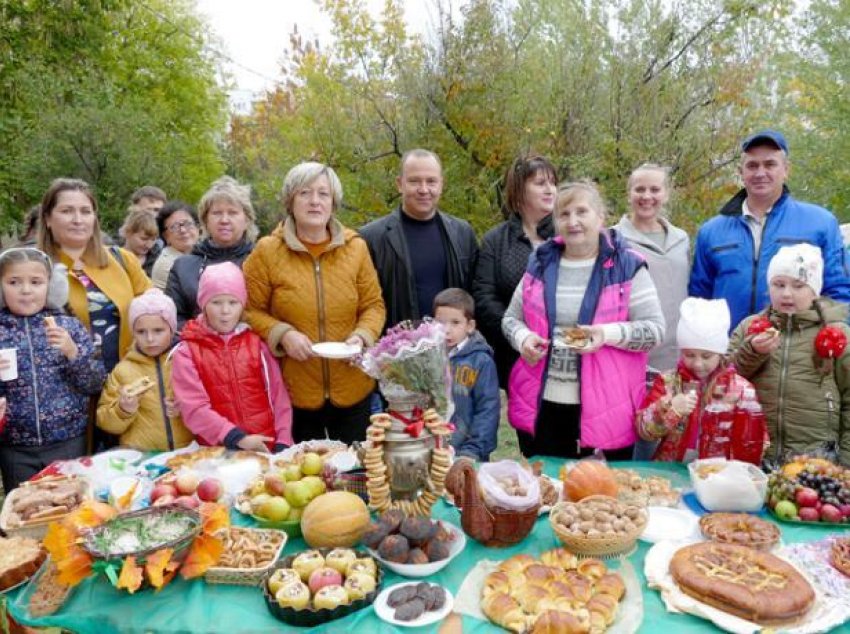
(734,249)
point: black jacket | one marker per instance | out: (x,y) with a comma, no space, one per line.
(182,285)
(388,248)
(501,263)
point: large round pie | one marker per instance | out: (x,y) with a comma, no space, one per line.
(20,559)
(748,583)
(740,528)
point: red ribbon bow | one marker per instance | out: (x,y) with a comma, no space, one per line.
(414,425)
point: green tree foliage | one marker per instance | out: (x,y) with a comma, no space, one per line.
(116,92)
(598,85)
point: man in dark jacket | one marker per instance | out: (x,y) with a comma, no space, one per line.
(733,249)
(418,250)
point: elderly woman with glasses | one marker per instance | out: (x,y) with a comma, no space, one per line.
(178,226)
(313,281)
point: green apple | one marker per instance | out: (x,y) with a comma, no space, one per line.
(786,510)
(292,472)
(257,502)
(312,464)
(298,493)
(275,509)
(316,485)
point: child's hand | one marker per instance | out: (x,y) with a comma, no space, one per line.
(765,342)
(2,408)
(129,404)
(60,339)
(5,364)
(171,408)
(297,345)
(684,404)
(255,442)
(533,348)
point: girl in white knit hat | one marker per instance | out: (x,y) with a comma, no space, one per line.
(795,352)
(672,411)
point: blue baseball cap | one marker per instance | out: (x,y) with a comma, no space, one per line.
(770,136)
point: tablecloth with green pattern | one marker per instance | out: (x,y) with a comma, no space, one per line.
(196,606)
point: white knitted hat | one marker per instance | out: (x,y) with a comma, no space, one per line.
(802,262)
(704,325)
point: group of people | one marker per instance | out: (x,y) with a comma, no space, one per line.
(194,330)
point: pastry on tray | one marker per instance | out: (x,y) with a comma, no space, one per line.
(20,559)
(840,555)
(742,581)
(740,528)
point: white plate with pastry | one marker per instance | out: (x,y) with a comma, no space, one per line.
(335,350)
(389,614)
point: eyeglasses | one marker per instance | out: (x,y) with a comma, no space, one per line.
(179,226)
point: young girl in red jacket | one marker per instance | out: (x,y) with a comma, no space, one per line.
(226,382)
(672,412)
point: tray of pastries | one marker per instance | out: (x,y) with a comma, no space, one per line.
(740,528)
(650,490)
(839,555)
(556,593)
(748,583)
(32,506)
(20,559)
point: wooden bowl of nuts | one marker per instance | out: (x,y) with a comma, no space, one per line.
(598,525)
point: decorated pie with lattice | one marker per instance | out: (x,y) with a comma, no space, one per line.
(20,559)
(740,528)
(748,583)
(840,555)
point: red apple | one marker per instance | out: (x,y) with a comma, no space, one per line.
(186,483)
(188,501)
(322,577)
(808,514)
(162,489)
(162,500)
(805,497)
(845,510)
(210,489)
(830,513)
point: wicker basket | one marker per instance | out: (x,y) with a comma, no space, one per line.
(597,546)
(248,576)
(36,529)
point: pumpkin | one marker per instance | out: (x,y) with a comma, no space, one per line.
(334,520)
(589,477)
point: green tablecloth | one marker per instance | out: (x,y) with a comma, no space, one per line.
(195,606)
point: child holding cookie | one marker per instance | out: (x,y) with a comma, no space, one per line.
(227,384)
(48,367)
(138,402)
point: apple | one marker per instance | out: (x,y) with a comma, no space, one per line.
(830,514)
(773,500)
(845,510)
(786,510)
(188,501)
(186,483)
(292,472)
(295,513)
(809,514)
(210,490)
(312,464)
(258,487)
(275,509)
(275,483)
(315,484)
(257,502)
(164,500)
(322,577)
(162,489)
(807,497)
(298,493)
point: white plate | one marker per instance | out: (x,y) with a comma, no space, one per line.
(669,524)
(387,613)
(335,350)
(425,570)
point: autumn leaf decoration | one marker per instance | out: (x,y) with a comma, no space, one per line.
(131,576)
(160,569)
(73,563)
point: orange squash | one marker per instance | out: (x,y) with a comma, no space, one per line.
(335,520)
(589,477)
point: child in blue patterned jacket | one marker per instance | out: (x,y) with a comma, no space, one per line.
(46,404)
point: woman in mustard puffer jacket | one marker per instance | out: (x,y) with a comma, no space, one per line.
(313,281)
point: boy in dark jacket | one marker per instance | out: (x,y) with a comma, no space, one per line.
(475,384)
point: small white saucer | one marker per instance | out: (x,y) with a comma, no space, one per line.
(335,350)
(669,524)
(386,613)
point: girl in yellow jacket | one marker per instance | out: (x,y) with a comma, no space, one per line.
(138,402)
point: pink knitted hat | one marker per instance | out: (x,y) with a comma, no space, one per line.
(154,302)
(222,279)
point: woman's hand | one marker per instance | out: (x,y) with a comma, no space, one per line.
(128,404)
(60,339)
(171,408)
(595,341)
(765,342)
(255,442)
(533,348)
(355,340)
(297,345)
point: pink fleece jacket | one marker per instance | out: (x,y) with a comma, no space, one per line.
(194,402)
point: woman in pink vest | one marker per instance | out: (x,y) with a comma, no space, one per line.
(226,382)
(583,318)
